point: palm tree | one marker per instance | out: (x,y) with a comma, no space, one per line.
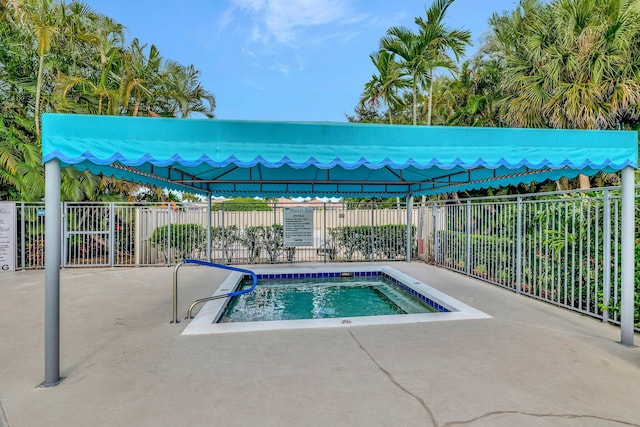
(424,52)
(181,86)
(406,45)
(41,20)
(141,72)
(384,85)
(439,41)
(575,66)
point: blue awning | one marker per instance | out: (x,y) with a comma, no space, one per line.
(231,158)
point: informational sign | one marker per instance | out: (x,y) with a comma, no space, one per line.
(298,227)
(7,236)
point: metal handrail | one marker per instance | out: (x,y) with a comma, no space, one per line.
(201,300)
(175,292)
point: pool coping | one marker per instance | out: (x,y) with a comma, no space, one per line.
(202,323)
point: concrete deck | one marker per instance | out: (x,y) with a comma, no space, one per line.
(124,364)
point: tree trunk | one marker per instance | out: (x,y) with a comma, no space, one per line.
(38,93)
(583,181)
(430,100)
(136,107)
(415,102)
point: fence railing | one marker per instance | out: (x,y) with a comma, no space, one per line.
(560,248)
(129,234)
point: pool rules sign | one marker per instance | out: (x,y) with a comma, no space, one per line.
(7,236)
(298,227)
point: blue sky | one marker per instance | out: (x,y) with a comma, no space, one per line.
(282,60)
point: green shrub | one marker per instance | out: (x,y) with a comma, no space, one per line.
(184,239)
(242,204)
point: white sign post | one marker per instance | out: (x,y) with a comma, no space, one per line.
(298,227)
(7,236)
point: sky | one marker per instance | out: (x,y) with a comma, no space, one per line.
(282,60)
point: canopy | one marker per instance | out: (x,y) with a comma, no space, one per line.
(319,159)
(326,159)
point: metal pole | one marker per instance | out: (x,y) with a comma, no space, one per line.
(65,232)
(519,247)
(409,209)
(467,262)
(273,230)
(223,234)
(22,235)
(325,232)
(175,292)
(209,227)
(606,257)
(168,234)
(112,232)
(436,243)
(52,275)
(628,237)
(373,229)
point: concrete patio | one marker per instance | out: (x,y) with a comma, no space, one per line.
(124,364)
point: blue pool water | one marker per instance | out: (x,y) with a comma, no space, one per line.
(318,298)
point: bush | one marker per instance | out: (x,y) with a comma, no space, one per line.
(226,238)
(185,240)
(387,242)
(242,204)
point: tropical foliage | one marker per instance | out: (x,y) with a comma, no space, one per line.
(58,56)
(569,64)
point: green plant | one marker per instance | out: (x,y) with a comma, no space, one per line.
(225,239)
(183,240)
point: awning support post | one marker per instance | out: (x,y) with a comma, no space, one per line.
(628,240)
(52,241)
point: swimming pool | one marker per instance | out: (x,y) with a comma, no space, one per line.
(399,299)
(322,298)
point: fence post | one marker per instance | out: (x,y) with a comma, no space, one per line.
(409,236)
(373,230)
(64,244)
(519,246)
(436,242)
(112,234)
(223,233)
(606,256)
(274,231)
(22,236)
(168,234)
(467,262)
(324,232)
(209,227)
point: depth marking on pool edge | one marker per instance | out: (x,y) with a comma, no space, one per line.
(346,321)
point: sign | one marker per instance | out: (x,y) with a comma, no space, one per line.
(7,236)
(298,227)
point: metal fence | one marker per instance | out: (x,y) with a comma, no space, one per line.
(129,234)
(562,248)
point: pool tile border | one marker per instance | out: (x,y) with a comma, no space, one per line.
(315,275)
(448,307)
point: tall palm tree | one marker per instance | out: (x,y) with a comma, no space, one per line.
(406,45)
(440,42)
(141,72)
(423,52)
(384,84)
(41,20)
